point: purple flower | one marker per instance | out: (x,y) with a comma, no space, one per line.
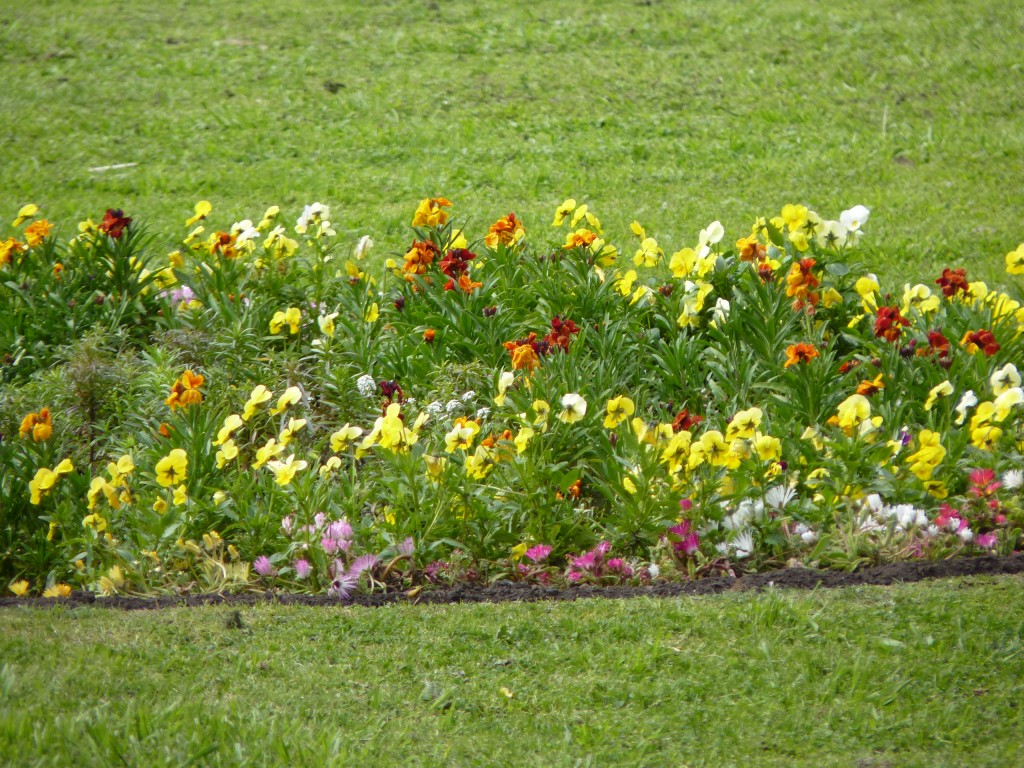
(407,547)
(539,553)
(302,568)
(342,587)
(263,566)
(360,564)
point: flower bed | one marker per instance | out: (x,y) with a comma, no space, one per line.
(268,405)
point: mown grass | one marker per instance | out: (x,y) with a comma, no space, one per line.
(676,114)
(921,675)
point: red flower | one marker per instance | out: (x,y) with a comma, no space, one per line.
(937,344)
(114,222)
(685,420)
(889,324)
(562,332)
(953,281)
(980,339)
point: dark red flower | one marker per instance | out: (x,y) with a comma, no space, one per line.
(562,332)
(114,222)
(953,281)
(889,324)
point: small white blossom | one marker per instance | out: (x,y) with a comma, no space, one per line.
(483,413)
(366,385)
(654,570)
(452,406)
(435,408)
(468,396)
(1012,479)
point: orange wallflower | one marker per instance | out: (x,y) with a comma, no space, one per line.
(421,254)
(224,244)
(36,232)
(38,425)
(801,282)
(429,335)
(507,231)
(750,248)
(581,238)
(868,387)
(467,284)
(524,353)
(799,353)
(185,391)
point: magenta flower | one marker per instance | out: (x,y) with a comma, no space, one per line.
(342,587)
(587,561)
(685,504)
(618,565)
(987,540)
(302,568)
(360,564)
(574,575)
(263,566)
(689,545)
(539,553)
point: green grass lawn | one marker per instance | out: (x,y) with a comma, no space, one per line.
(916,675)
(675,114)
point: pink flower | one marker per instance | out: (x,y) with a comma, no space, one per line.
(342,587)
(685,504)
(360,564)
(587,561)
(573,575)
(330,545)
(983,482)
(319,518)
(689,545)
(539,553)
(618,565)
(263,566)
(288,525)
(987,540)
(340,529)
(302,568)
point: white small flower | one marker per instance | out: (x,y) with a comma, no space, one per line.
(468,396)
(362,247)
(853,218)
(1013,479)
(714,232)
(654,570)
(967,535)
(721,311)
(452,406)
(366,385)
(778,496)
(483,413)
(743,544)
(435,408)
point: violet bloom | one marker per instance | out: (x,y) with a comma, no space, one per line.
(539,553)
(302,568)
(407,547)
(263,566)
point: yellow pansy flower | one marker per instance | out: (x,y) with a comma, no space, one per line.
(259,396)
(284,471)
(340,440)
(618,410)
(171,468)
(288,398)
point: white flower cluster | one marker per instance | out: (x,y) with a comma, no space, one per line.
(318,215)
(366,385)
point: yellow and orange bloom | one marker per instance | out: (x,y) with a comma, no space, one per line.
(37,232)
(506,231)
(38,425)
(799,353)
(185,391)
(431,213)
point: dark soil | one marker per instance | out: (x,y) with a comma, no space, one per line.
(788,578)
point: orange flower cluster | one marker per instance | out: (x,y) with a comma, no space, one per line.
(581,238)
(455,265)
(431,213)
(525,353)
(869,387)
(38,425)
(799,353)
(224,244)
(185,391)
(751,249)
(801,282)
(980,339)
(37,231)
(938,344)
(419,256)
(114,223)
(506,231)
